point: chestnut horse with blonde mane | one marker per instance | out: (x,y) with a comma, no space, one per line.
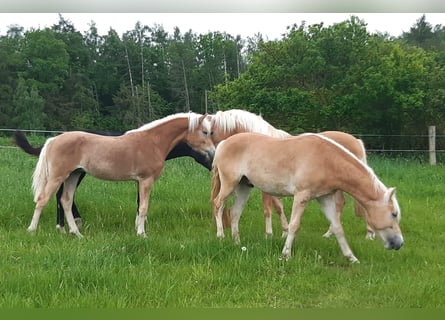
(309,166)
(137,155)
(230,122)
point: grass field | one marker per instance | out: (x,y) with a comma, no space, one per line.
(182,264)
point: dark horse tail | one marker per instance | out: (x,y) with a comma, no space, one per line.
(20,140)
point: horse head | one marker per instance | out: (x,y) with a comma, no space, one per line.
(199,136)
(384,218)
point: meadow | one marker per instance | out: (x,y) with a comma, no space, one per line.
(181,263)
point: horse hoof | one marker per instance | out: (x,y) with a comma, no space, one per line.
(78,222)
(354,260)
(370,236)
(60,229)
(76,233)
(31,230)
(142,235)
(327,234)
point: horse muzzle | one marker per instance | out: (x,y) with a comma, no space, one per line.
(395,242)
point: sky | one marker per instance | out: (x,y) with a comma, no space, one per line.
(270,25)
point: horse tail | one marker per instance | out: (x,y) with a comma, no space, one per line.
(40,175)
(20,140)
(216,187)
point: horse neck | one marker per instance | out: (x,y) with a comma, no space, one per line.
(170,134)
(360,182)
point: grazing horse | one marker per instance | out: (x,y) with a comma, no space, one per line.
(137,155)
(182,149)
(230,122)
(306,167)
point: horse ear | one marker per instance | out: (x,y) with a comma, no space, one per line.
(201,118)
(391,192)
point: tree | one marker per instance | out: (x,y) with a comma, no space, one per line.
(29,107)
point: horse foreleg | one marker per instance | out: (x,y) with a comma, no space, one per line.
(360,211)
(299,204)
(144,199)
(329,206)
(241,196)
(60,224)
(339,205)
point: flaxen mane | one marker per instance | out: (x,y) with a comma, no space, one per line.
(193,121)
(229,120)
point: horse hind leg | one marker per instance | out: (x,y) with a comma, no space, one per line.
(279,209)
(267,210)
(41,201)
(69,188)
(328,204)
(60,225)
(242,193)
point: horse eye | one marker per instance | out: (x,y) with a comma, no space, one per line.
(205,132)
(394,214)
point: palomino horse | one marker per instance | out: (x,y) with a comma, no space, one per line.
(230,122)
(306,167)
(182,149)
(137,155)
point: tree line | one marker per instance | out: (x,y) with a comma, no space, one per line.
(60,79)
(316,77)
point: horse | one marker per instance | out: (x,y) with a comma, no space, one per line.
(307,167)
(230,122)
(137,155)
(182,149)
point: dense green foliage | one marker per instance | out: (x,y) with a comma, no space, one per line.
(343,78)
(58,79)
(182,263)
(314,78)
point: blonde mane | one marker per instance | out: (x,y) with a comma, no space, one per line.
(378,185)
(192,117)
(230,120)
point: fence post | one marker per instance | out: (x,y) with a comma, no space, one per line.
(432,144)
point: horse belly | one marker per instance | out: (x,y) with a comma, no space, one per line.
(273,186)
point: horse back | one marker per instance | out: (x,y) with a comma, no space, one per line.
(354,145)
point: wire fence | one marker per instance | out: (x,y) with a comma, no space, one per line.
(391,145)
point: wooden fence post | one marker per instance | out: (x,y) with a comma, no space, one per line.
(432,144)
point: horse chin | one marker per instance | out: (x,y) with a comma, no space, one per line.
(209,154)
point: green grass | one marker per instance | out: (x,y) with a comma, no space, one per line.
(182,264)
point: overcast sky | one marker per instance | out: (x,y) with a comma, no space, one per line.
(270,25)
